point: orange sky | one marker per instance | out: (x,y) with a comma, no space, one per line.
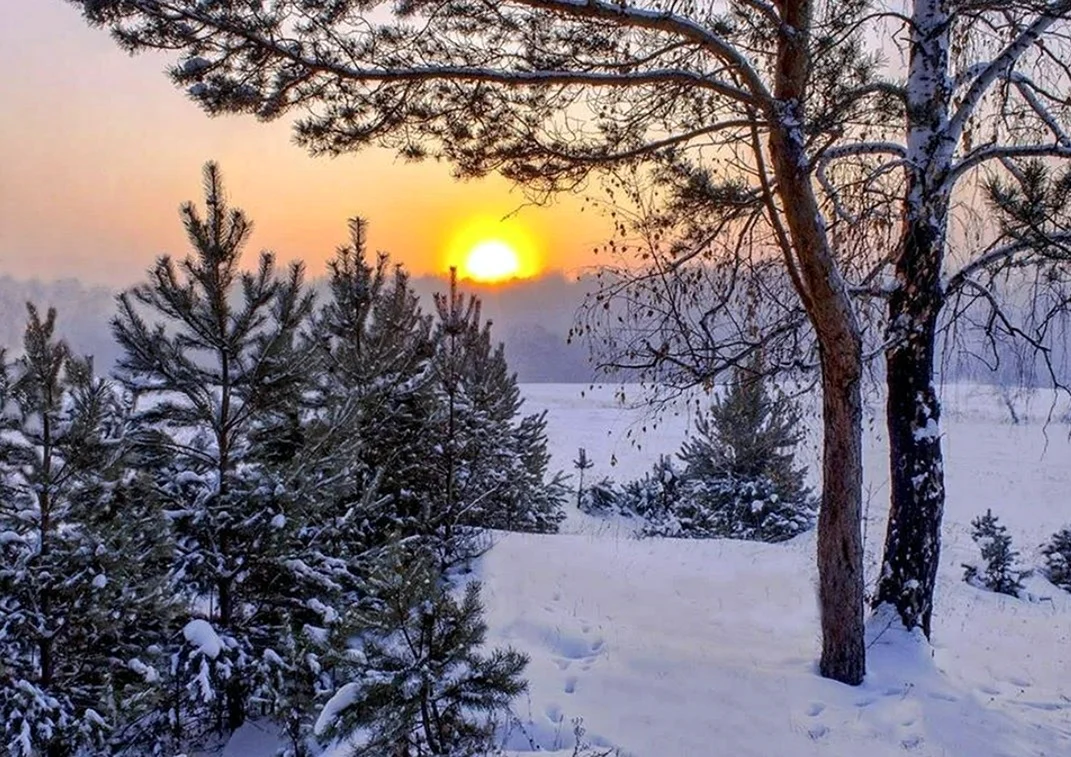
(97,151)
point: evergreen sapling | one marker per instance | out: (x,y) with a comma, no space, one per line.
(1057,555)
(1001,572)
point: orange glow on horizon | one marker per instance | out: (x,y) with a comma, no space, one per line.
(90,185)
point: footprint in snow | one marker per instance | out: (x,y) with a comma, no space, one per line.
(911,742)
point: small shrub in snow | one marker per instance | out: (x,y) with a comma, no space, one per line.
(419,683)
(739,478)
(1001,572)
(654,496)
(1058,559)
(601,498)
(736,508)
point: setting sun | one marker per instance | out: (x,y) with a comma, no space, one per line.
(493,260)
(490,250)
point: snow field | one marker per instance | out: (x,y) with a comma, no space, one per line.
(678,648)
(688,648)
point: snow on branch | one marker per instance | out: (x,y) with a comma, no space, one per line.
(1002,65)
(980,155)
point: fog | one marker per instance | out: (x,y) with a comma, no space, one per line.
(531,317)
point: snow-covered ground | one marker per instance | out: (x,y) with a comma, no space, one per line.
(669,648)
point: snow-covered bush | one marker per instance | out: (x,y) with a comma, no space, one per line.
(656,495)
(601,498)
(739,478)
(733,508)
(1001,572)
(419,683)
(1058,559)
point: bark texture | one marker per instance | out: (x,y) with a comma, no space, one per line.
(913,413)
(825,296)
(913,538)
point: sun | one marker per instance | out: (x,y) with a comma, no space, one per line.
(492,260)
(492,250)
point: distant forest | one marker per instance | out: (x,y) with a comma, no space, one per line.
(531,317)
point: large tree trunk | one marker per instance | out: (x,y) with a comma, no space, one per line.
(840,546)
(913,538)
(840,543)
(814,271)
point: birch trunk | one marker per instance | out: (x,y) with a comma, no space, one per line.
(913,413)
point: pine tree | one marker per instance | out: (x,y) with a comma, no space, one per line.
(218,371)
(654,496)
(1058,559)
(493,467)
(1001,573)
(603,498)
(582,463)
(373,345)
(84,603)
(740,477)
(747,434)
(420,684)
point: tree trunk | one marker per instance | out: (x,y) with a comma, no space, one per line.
(818,280)
(913,538)
(840,544)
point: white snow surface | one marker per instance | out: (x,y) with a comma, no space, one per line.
(679,648)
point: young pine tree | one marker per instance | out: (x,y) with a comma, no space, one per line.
(373,344)
(420,684)
(84,605)
(491,464)
(1001,573)
(740,477)
(1058,559)
(217,371)
(748,433)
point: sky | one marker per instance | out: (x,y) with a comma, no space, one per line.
(98,150)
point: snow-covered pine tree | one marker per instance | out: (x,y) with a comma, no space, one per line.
(492,465)
(747,433)
(84,601)
(741,480)
(373,344)
(602,498)
(654,496)
(1002,572)
(1058,559)
(217,366)
(420,684)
